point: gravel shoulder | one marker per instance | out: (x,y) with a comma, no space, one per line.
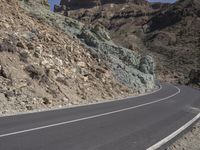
(189,141)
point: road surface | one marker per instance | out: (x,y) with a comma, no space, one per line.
(130,124)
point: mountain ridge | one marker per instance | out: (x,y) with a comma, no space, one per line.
(167,32)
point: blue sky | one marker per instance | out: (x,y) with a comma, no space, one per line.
(52,2)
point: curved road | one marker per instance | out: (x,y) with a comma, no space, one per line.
(130,124)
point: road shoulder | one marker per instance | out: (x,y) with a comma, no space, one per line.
(189,140)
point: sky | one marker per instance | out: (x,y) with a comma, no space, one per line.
(53,2)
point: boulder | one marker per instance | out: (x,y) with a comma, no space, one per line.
(47,101)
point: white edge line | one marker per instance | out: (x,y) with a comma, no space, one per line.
(75,106)
(174,134)
(91,117)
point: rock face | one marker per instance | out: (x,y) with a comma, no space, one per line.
(128,67)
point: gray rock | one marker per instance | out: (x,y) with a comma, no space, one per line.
(147,65)
(127,66)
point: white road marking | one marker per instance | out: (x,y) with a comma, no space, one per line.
(174,134)
(91,117)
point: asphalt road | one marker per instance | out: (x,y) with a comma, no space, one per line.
(129,124)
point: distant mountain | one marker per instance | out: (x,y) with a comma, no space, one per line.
(174,33)
(168,32)
(175,13)
(76,4)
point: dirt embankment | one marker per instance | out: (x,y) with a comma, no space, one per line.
(189,141)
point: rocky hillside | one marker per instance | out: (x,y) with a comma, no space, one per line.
(48,60)
(77,4)
(123,19)
(168,32)
(175,34)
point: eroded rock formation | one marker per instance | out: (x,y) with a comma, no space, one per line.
(77,4)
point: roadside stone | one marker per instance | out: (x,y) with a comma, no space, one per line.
(64,99)
(47,101)
(28,107)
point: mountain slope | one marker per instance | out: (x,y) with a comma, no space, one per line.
(167,32)
(43,64)
(175,34)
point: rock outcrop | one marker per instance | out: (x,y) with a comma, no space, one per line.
(66,5)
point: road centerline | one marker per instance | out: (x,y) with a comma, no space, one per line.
(91,117)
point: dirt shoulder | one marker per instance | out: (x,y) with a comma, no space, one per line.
(189,141)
